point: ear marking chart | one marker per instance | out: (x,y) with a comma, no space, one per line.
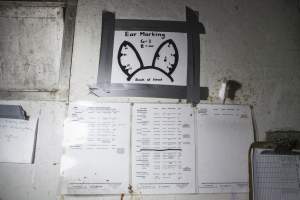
(149,57)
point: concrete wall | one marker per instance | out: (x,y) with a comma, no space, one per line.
(256,43)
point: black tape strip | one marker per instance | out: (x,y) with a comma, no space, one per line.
(106,49)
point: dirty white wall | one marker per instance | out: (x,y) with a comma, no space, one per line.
(32,62)
(256,43)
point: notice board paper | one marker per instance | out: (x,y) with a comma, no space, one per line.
(17,140)
(96,149)
(225,133)
(163,148)
(276,177)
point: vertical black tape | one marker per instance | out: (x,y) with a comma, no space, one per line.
(106,49)
(193,78)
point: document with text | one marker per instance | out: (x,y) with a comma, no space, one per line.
(225,133)
(96,149)
(163,148)
(276,176)
(156,148)
(17,140)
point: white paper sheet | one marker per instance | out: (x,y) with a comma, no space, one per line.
(225,133)
(17,140)
(96,149)
(163,148)
(149,57)
(276,177)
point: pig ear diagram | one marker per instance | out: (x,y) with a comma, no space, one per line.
(129,59)
(165,59)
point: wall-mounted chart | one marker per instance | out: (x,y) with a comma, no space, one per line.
(163,148)
(149,57)
(144,148)
(96,149)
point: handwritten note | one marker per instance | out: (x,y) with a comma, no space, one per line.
(96,149)
(17,140)
(163,148)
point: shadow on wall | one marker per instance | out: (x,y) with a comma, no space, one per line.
(232,87)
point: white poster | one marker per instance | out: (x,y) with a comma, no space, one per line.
(149,57)
(96,149)
(225,133)
(163,148)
